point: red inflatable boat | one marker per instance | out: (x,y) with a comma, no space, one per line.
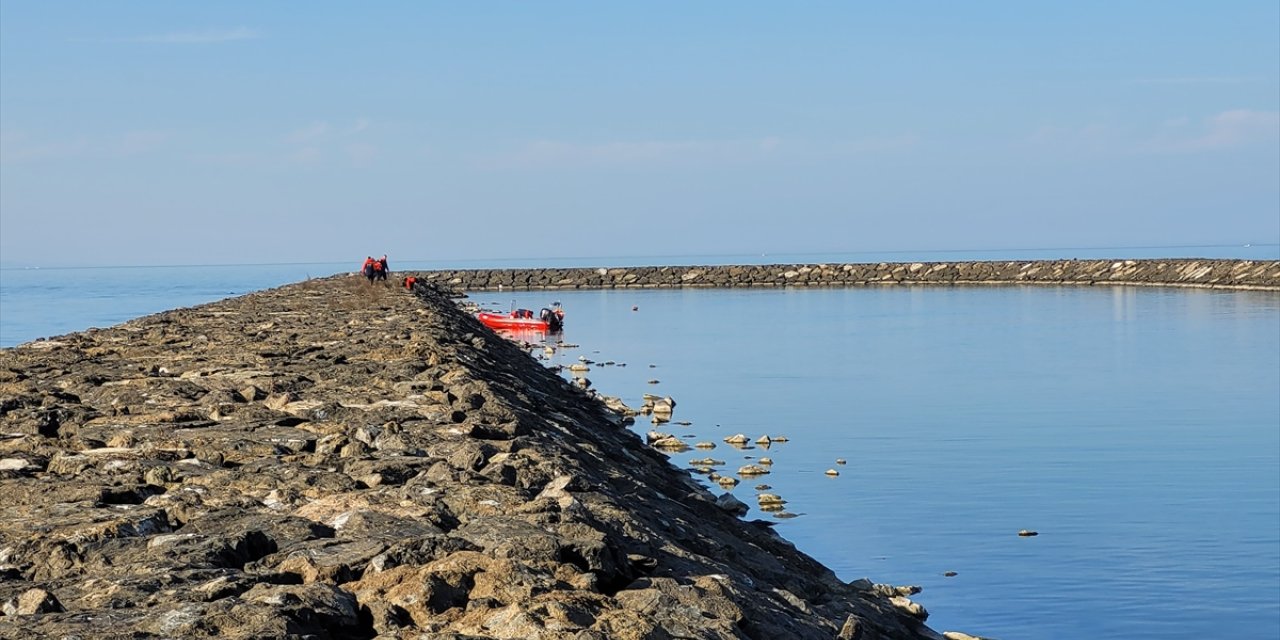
(549,320)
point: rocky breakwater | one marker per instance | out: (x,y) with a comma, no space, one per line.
(1218,274)
(334,459)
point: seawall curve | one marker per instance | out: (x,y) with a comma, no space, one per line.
(1197,273)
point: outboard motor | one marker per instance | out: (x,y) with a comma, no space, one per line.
(554,320)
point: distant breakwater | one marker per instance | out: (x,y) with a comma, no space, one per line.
(1198,273)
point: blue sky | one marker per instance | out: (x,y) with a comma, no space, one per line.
(233,132)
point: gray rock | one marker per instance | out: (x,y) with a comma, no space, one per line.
(732,505)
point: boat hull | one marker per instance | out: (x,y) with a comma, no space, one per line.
(499,321)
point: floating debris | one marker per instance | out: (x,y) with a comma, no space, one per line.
(1027,533)
(832,472)
(949,574)
(839,460)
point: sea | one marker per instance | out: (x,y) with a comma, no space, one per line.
(1135,430)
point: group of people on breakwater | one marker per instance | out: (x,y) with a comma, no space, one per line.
(375,269)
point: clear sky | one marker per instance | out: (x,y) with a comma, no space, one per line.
(241,132)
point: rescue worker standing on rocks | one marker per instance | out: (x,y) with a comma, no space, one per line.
(382,268)
(367,269)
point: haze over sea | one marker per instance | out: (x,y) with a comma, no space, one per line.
(1136,429)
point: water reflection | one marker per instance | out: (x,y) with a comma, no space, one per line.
(1135,420)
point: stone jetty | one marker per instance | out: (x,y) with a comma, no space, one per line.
(335,459)
(1199,273)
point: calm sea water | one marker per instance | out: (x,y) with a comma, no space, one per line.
(1138,430)
(38,301)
